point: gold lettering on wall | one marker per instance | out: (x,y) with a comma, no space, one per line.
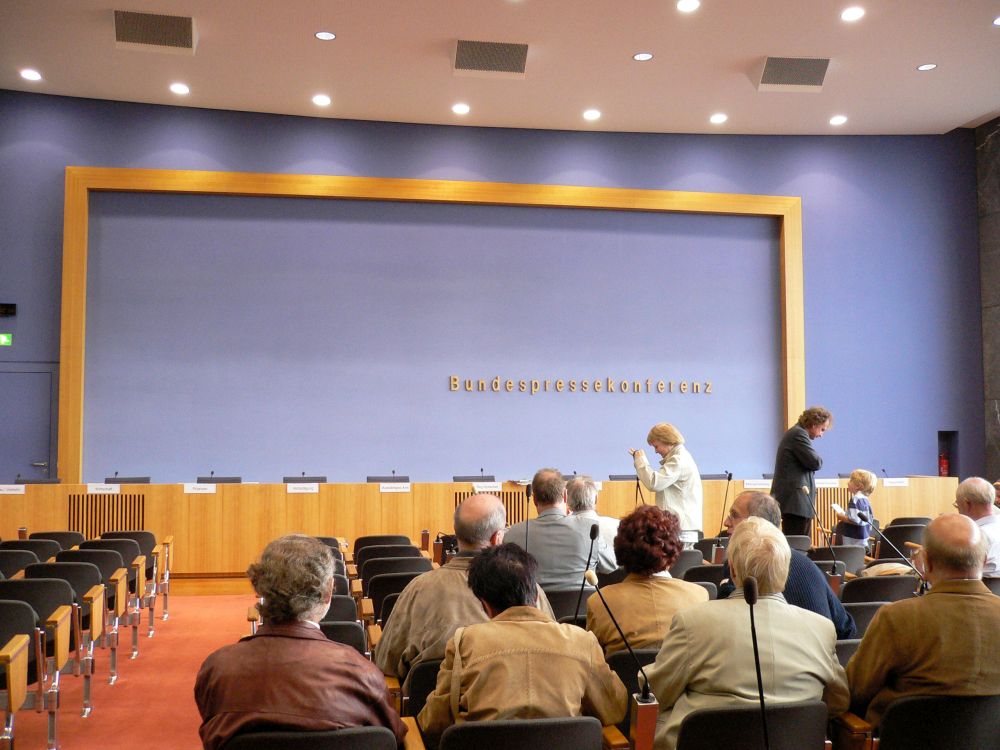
(609,384)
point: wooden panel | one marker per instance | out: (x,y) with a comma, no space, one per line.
(81,180)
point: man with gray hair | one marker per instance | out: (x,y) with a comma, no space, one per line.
(943,643)
(288,675)
(581,497)
(974,498)
(435,604)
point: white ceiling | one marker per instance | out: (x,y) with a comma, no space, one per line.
(391,61)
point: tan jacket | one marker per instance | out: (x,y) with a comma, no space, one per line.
(644,607)
(946,642)
(522,665)
(426,615)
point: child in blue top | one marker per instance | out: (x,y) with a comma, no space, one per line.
(851,529)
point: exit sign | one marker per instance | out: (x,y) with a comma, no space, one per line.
(6,339)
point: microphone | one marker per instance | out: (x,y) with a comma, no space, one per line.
(725,499)
(115,476)
(591,577)
(884,474)
(864,517)
(594,530)
(211,474)
(481,473)
(750,596)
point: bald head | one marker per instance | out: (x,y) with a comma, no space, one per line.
(479,522)
(954,547)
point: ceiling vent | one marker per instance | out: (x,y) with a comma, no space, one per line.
(155,32)
(802,74)
(490,59)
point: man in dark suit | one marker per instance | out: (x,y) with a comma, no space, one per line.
(794,483)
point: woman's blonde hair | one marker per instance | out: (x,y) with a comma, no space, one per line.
(666,433)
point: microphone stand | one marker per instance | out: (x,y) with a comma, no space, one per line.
(922,589)
(750,595)
(725,499)
(594,530)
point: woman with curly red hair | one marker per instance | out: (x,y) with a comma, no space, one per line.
(644,603)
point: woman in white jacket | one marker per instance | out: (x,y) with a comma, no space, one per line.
(677,483)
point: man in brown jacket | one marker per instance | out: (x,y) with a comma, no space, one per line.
(288,675)
(522,664)
(943,643)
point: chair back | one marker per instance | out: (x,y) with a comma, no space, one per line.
(941,722)
(127,548)
(711,588)
(705,546)
(899,535)
(334,544)
(563,603)
(349,633)
(579,620)
(381,586)
(354,738)
(846,649)
(66,539)
(688,558)
(623,665)
(145,539)
(790,726)
(799,541)
(863,613)
(993,584)
(378,565)
(564,733)
(18,618)
(106,560)
(43,548)
(15,560)
(80,575)
(44,595)
(339,567)
(910,521)
(367,541)
(341,586)
(342,609)
(615,576)
(384,550)
(852,556)
(387,604)
(711,573)
(422,679)
(878,589)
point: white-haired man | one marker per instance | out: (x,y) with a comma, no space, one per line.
(707,657)
(975,498)
(581,497)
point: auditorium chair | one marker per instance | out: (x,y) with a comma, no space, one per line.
(114,576)
(852,556)
(799,541)
(910,521)
(89,614)
(335,544)
(927,722)
(381,539)
(879,589)
(342,609)
(707,546)
(379,588)
(566,733)
(66,539)
(846,649)
(711,573)
(898,535)
(563,602)
(157,556)
(790,726)
(19,666)
(688,558)
(711,588)
(135,564)
(384,550)
(863,613)
(579,620)
(623,665)
(44,549)
(374,630)
(52,643)
(13,561)
(422,680)
(354,738)
(609,579)
(993,584)
(379,565)
(348,633)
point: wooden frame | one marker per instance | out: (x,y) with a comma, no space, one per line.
(81,181)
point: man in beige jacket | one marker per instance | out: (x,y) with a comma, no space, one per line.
(522,664)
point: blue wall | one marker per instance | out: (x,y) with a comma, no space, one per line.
(890,241)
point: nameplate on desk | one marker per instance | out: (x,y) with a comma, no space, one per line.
(103,489)
(386,487)
(757,484)
(493,487)
(896,482)
(11,489)
(302,488)
(191,488)
(830,484)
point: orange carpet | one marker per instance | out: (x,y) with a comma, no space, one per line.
(152,704)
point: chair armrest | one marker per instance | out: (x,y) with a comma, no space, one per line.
(352,570)
(395,692)
(253,614)
(366,611)
(139,566)
(95,598)
(119,580)
(58,625)
(850,732)
(14,662)
(413,740)
(168,547)
(374,635)
(613,739)
(357,588)
(18,576)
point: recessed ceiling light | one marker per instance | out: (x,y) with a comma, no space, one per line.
(996,21)
(321,100)
(688,6)
(180,88)
(854,13)
(718,118)
(642,56)
(837,120)
(927,66)
(325,36)
(460,109)
(31,75)
(592,114)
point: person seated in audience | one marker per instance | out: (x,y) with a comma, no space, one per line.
(644,603)
(851,529)
(581,497)
(559,542)
(974,498)
(707,657)
(435,603)
(806,586)
(288,675)
(521,664)
(945,642)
